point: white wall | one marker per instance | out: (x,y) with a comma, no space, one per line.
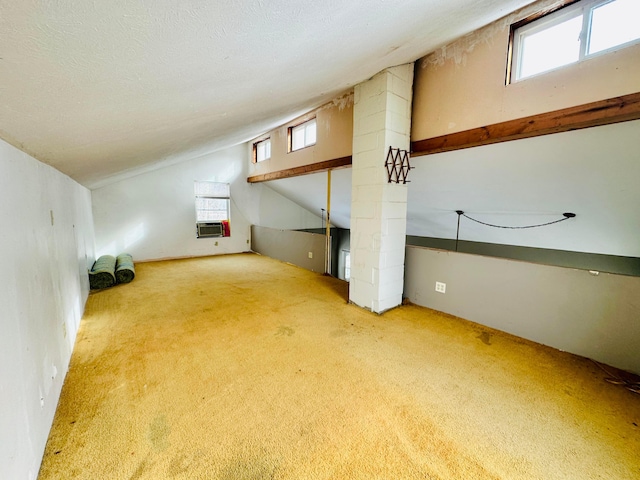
(595,316)
(152,216)
(592,172)
(43,291)
(310,191)
(303,249)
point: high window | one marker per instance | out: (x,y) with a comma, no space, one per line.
(262,150)
(571,34)
(303,135)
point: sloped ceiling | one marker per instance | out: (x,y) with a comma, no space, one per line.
(592,172)
(310,192)
(102,89)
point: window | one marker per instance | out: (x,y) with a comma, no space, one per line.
(303,135)
(612,24)
(571,34)
(212,209)
(262,150)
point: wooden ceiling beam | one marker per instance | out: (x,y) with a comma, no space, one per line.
(303,170)
(603,112)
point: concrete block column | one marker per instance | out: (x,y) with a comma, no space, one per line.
(381,119)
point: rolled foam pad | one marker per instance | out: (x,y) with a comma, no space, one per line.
(124,268)
(102,274)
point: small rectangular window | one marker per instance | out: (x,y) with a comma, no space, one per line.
(614,23)
(303,135)
(262,150)
(212,200)
(571,34)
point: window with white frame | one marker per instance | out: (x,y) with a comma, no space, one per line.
(303,135)
(212,201)
(572,33)
(262,150)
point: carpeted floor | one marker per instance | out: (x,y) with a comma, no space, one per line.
(243,367)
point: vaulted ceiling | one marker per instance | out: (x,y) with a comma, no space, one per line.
(103,89)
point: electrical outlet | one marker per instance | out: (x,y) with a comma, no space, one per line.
(441,287)
(310,254)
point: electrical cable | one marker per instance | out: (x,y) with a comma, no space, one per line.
(460,213)
(567,216)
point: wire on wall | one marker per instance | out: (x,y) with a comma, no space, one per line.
(566,216)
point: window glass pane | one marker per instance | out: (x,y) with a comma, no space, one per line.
(260,152)
(310,133)
(263,150)
(613,24)
(297,140)
(303,135)
(211,215)
(551,48)
(211,203)
(211,209)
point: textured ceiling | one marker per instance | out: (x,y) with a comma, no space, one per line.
(101,88)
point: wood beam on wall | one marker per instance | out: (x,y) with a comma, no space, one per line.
(303,170)
(603,112)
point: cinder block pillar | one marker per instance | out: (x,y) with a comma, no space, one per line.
(381,119)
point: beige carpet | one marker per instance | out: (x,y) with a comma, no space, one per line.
(243,367)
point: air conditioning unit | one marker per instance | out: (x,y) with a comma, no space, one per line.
(214,229)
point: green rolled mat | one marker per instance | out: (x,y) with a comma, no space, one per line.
(124,268)
(102,274)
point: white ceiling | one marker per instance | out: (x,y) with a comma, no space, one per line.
(591,172)
(105,88)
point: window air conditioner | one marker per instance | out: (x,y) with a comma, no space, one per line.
(214,229)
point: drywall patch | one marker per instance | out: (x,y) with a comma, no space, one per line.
(342,102)
(458,50)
